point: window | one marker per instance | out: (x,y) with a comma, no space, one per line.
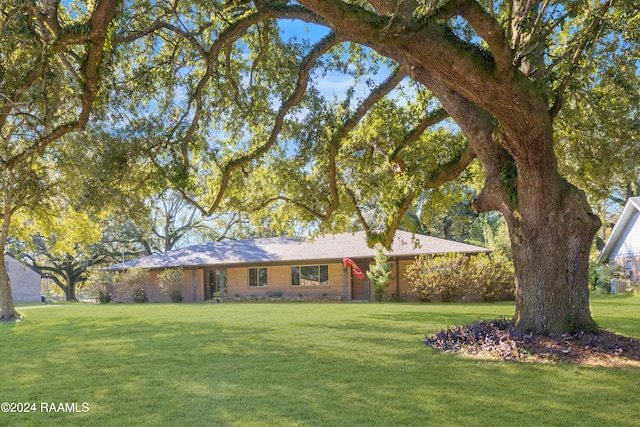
(257,277)
(310,275)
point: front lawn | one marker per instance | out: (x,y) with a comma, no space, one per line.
(294,364)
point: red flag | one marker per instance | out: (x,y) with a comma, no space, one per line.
(348,262)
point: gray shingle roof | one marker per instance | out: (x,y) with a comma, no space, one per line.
(282,249)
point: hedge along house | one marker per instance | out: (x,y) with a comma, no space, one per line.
(288,267)
(623,246)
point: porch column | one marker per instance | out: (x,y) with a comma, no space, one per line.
(367,283)
(194,285)
(346,282)
(223,282)
(398,280)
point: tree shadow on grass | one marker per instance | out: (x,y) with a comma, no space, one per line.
(200,372)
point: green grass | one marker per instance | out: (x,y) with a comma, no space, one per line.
(296,365)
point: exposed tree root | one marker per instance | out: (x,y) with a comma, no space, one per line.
(12,318)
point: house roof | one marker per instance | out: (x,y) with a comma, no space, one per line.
(282,249)
(630,209)
(11,256)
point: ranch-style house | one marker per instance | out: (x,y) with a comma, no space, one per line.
(288,267)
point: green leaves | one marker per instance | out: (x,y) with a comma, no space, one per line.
(597,130)
(170,283)
(457,276)
(380,273)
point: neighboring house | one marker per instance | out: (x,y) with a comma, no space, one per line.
(288,267)
(25,282)
(623,246)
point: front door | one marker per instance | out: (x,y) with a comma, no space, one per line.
(211,284)
(359,286)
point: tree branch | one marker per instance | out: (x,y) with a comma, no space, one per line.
(429,120)
(99,22)
(334,144)
(356,206)
(300,205)
(233,32)
(444,173)
(306,65)
(467,69)
(489,29)
(584,39)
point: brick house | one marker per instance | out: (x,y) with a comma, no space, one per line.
(288,267)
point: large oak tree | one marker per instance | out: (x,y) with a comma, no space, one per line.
(246,105)
(504,84)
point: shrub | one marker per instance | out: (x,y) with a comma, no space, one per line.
(457,275)
(140,296)
(99,284)
(432,275)
(493,276)
(600,276)
(104,297)
(133,283)
(170,283)
(380,273)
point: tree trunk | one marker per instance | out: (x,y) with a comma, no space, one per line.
(70,292)
(551,256)
(551,225)
(7,310)
(71,279)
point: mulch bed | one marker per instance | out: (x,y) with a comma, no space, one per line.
(495,339)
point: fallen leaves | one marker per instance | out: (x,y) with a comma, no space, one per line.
(495,339)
